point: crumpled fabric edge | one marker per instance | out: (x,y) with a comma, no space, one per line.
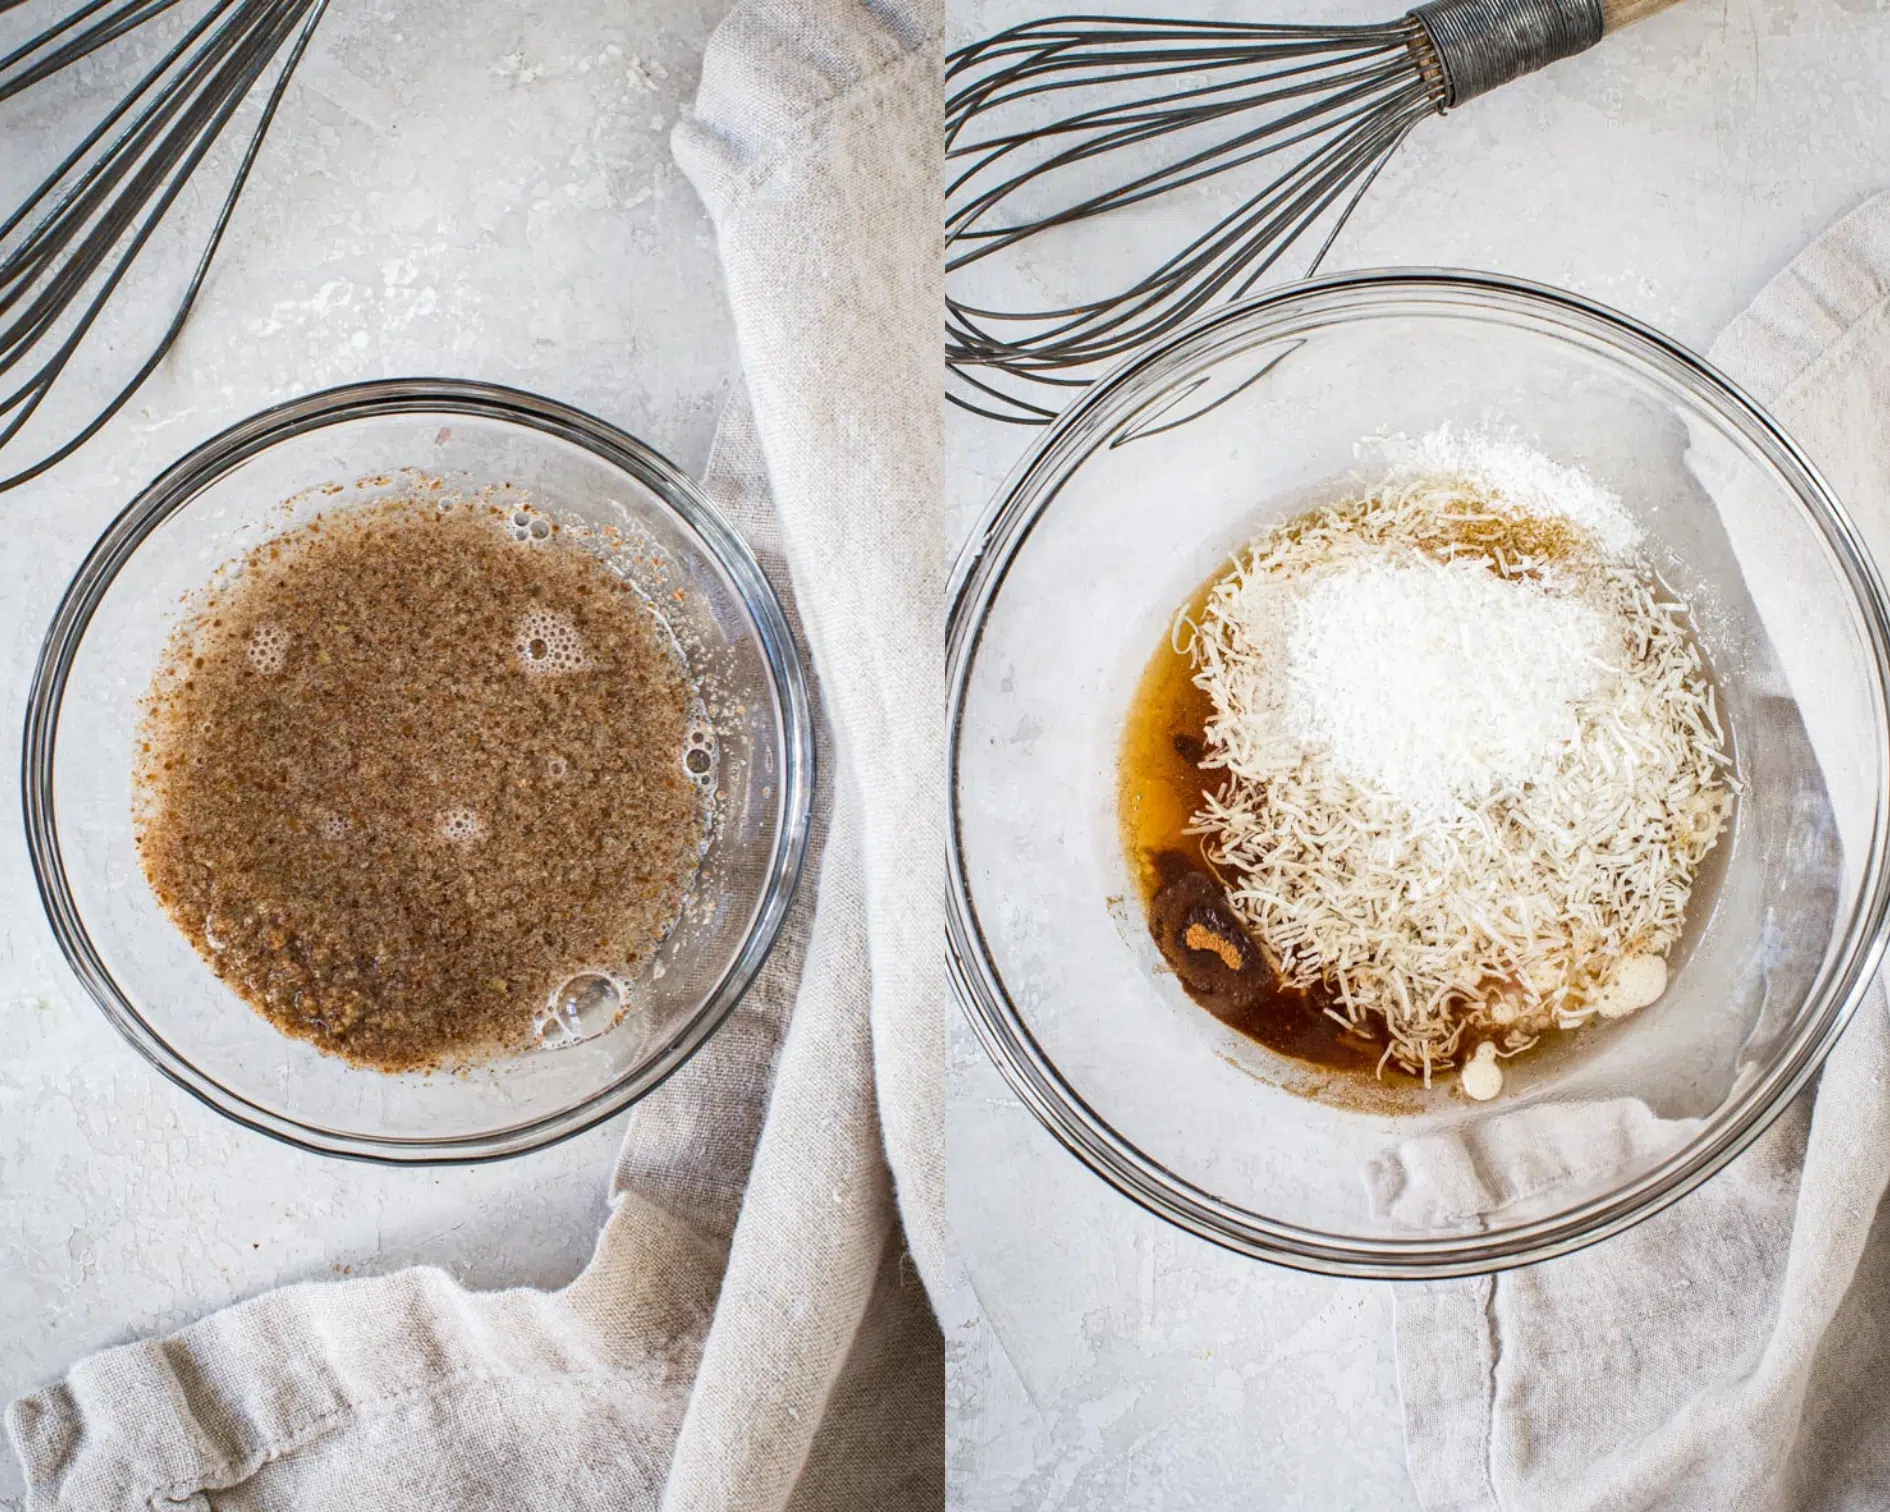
(751,128)
(1833,295)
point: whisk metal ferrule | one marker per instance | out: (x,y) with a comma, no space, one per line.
(1479,44)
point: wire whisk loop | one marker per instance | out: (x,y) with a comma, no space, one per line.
(67,249)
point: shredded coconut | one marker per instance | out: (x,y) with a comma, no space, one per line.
(1516,476)
(1474,761)
(1438,682)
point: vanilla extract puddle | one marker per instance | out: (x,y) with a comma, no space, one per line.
(1161,787)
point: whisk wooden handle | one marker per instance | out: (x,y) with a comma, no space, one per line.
(1616,14)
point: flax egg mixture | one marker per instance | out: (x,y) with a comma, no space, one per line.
(1429,773)
(409,771)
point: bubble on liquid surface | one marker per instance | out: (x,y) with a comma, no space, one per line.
(699,754)
(462,826)
(557,767)
(527,526)
(582,1008)
(268,649)
(548,644)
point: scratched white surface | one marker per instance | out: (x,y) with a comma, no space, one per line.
(473,188)
(1104,1362)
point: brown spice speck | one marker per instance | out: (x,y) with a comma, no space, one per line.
(1200,937)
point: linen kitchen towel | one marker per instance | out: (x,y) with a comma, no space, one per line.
(1734,1350)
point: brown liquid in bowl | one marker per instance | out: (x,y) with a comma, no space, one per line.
(1219,965)
(402,775)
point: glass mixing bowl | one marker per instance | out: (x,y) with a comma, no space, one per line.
(1138,495)
(350,446)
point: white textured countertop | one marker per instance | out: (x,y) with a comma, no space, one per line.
(1107,1362)
(467,188)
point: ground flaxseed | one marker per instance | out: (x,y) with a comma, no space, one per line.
(404,773)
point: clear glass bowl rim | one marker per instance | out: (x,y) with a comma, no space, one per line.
(977,579)
(171,491)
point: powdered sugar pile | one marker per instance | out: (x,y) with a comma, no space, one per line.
(1438,682)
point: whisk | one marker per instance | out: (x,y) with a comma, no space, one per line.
(66,250)
(1314,111)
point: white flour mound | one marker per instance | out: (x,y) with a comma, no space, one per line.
(1437,683)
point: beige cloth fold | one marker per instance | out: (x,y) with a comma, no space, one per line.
(752,1332)
(1733,1352)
